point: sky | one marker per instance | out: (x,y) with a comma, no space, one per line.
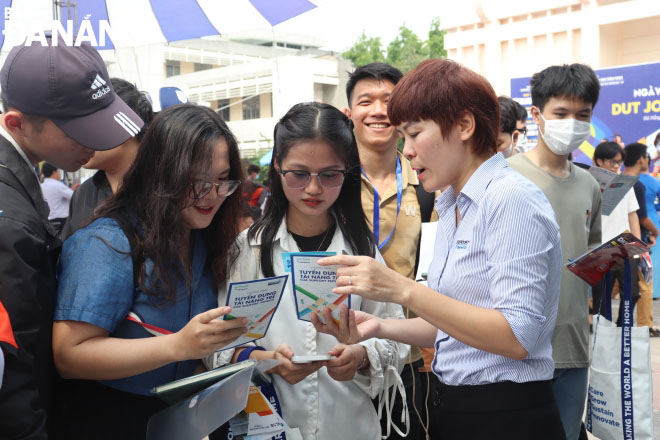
(340,22)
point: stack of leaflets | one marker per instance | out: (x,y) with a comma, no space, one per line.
(613,187)
(313,284)
(256,300)
(593,265)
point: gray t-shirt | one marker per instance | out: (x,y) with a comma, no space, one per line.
(576,201)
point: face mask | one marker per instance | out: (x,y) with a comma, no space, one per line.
(508,151)
(562,136)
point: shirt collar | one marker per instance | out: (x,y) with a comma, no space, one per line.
(475,188)
(476,185)
(12,141)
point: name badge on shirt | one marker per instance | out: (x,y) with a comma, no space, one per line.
(462,244)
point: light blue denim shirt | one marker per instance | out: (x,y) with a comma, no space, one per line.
(505,255)
(96,286)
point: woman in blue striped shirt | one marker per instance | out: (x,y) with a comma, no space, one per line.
(493,286)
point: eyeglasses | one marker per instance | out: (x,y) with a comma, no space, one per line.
(296,179)
(614,163)
(222,189)
(522,131)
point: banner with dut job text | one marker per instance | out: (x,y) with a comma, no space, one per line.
(629,105)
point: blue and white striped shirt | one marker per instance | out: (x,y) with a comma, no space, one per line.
(505,255)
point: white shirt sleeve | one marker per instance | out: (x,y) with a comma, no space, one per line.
(631,201)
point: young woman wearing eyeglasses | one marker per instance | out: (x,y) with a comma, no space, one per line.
(137,297)
(315,206)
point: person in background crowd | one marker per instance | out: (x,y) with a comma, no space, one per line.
(521,128)
(252,192)
(652,187)
(396,205)
(56,194)
(636,160)
(619,140)
(563,99)
(149,264)
(44,119)
(489,317)
(112,165)
(314,176)
(610,156)
(508,136)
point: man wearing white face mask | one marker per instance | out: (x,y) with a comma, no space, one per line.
(563,99)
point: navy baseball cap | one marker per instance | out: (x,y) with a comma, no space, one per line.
(70,86)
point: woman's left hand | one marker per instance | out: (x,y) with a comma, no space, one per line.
(367,277)
(348,358)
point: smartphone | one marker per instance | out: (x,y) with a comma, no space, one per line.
(310,358)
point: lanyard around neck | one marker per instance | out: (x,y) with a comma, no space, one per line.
(399,196)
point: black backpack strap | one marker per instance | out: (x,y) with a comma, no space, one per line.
(426,201)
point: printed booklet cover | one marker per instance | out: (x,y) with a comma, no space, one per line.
(256,300)
(593,265)
(312,286)
(613,187)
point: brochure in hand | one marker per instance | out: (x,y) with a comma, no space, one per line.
(256,300)
(178,390)
(593,265)
(202,412)
(613,187)
(312,286)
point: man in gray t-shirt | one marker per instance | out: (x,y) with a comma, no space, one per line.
(563,99)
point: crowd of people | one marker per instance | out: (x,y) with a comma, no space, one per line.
(492,345)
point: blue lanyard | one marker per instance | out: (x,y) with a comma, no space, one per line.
(399,196)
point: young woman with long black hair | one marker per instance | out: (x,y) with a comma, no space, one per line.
(315,206)
(155,255)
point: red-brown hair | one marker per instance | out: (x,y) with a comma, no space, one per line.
(441,91)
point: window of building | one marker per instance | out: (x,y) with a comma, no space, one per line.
(223,109)
(251,108)
(202,66)
(172,68)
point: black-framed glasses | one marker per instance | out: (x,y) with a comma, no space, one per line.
(522,131)
(614,163)
(222,189)
(296,179)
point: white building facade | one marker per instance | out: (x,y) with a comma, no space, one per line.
(504,39)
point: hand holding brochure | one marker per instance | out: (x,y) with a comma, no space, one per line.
(312,286)
(593,265)
(613,187)
(256,300)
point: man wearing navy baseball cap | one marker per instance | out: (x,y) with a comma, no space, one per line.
(58,106)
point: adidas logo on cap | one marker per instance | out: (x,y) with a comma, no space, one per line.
(98,83)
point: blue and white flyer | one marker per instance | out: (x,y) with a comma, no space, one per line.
(312,287)
(256,300)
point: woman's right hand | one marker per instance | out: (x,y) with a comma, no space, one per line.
(205,333)
(292,373)
(354,325)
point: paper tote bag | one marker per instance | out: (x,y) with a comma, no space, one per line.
(620,395)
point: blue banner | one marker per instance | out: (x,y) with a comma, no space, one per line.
(182,20)
(5,8)
(86,20)
(629,105)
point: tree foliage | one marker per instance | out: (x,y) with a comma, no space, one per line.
(365,50)
(405,52)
